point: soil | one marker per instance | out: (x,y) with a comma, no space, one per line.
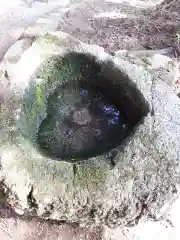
(117,25)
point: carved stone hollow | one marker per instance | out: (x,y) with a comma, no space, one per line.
(87,137)
(92,110)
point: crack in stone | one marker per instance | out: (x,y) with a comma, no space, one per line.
(31,200)
(153,86)
(74,168)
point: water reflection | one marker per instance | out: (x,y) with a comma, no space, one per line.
(83,92)
(112,114)
(92,126)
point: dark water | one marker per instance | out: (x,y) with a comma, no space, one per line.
(81,124)
(110,112)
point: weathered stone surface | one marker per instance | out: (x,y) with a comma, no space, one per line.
(161,62)
(145,176)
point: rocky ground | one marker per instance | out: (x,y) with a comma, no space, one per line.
(123,24)
(115,25)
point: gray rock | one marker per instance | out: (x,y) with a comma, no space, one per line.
(144,178)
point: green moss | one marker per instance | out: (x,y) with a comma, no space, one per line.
(48,43)
(51,39)
(53,73)
(92,175)
(57,71)
(33,110)
(40,96)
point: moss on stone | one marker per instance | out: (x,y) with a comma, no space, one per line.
(92,175)
(53,73)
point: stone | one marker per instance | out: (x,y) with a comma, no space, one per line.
(160,61)
(15,51)
(136,179)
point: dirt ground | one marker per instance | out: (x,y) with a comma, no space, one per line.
(123,24)
(15,227)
